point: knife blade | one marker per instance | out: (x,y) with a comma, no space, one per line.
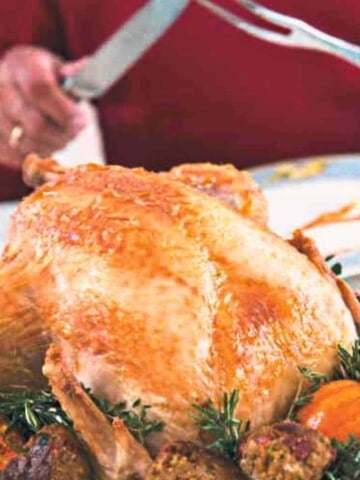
(124,48)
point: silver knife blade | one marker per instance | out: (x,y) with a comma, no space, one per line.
(124,48)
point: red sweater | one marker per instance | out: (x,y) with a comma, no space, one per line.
(206,92)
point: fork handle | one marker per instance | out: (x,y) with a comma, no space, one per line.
(327,43)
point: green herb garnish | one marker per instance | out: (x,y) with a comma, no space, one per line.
(346,465)
(224,428)
(29,411)
(349,367)
(336,268)
(134,418)
(315,380)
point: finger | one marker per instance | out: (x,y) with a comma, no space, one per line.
(10,157)
(5,129)
(71,68)
(24,144)
(40,131)
(32,140)
(39,86)
(27,146)
(42,136)
(11,154)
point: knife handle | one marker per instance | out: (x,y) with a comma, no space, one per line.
(68,86)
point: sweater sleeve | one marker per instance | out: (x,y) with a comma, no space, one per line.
(25,22)
(29,22)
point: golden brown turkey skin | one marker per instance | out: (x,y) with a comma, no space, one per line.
(157,291)
(236,188)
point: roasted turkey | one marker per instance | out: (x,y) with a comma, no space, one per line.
(166,287)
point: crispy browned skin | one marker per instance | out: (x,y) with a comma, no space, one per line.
(37,171)
(234,188)
(154,290)
(22,344)
(308,247)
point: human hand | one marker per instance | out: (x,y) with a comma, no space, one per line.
(35,114)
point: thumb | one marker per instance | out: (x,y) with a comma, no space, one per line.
(70,68)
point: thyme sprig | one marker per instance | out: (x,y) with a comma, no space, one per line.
(349,367)
(346,465)
(220,422)
(135,418)
(314,380)
(29,411)
(336,268)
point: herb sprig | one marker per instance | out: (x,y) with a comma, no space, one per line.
(29,411)
(349,367)
(315,380)
(346,465)
(336,268)
(225,429)
(135,418)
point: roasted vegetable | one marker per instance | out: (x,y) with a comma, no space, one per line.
(11,442)
(54,453)
(334,410)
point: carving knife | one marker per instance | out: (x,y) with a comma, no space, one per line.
(124,48)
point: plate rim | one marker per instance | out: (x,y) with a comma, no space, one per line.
(336,166)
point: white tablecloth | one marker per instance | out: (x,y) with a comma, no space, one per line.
(6,209)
